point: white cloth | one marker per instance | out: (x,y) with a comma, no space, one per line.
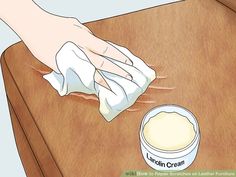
(77,75)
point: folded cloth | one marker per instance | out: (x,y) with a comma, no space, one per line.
(76,74)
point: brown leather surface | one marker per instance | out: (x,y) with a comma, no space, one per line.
(229,3)
(193,42)
(30,163)
(33,143)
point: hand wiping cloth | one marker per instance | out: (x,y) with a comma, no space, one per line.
(76,74)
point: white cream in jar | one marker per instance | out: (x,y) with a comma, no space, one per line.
(169,138)
(169,131)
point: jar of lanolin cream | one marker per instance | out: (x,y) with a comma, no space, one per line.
(169,136)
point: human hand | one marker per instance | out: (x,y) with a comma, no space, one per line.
(59,30)
(44,34)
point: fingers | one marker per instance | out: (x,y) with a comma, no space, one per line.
(100,80)
(99,46)
(77,23)
(83,27)
(103,48)
(103,64)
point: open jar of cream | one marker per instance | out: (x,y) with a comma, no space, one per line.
(169,137)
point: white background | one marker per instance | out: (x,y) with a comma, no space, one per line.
(10,164)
